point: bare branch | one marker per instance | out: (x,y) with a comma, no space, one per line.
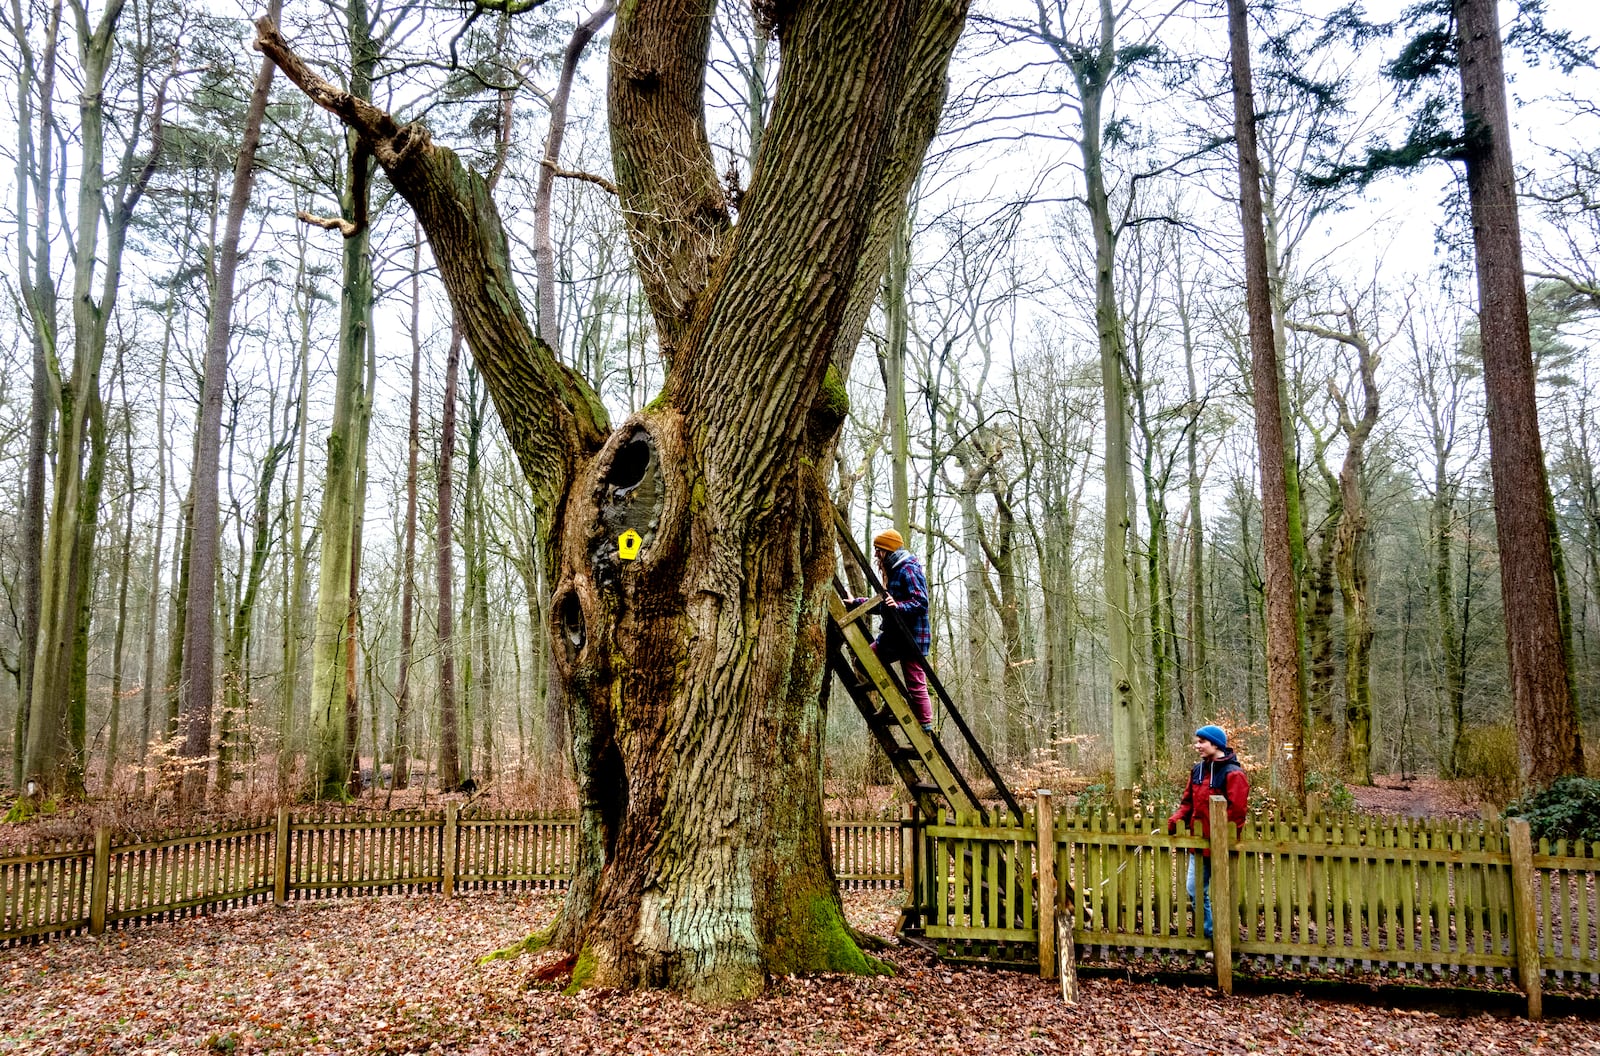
(587,177)
(345,227)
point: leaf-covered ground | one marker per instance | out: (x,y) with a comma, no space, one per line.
(401,974)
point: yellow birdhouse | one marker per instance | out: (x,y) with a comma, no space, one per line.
(628,544)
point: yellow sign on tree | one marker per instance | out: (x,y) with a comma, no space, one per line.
(628,544)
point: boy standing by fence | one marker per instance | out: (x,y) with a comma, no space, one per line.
(1218,773)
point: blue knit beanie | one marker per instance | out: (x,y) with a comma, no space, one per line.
(1215,734)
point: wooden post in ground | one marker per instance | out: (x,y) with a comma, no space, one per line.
(447,856)
(280,859)
(908,852)
(1524,923)
(100,885)
(908,870)
(1223,926)
(1045,857)
(1313,805)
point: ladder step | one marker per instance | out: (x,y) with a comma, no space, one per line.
(884,716)
(925,788)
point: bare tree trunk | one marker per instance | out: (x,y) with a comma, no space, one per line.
(35,157)
(1351,546)
(408,570)
(157,541)
(544,252)
(1547,730)
(896,321)
(1200,683)
(200,646)
(358,508)
(1286,747)
(296,585)
(114,723)
(449,717)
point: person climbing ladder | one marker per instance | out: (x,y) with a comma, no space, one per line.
(904,641)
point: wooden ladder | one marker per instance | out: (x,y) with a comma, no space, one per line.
(918,756)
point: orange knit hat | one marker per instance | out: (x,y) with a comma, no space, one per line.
(889,540)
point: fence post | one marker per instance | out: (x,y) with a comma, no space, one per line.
(280,859)
(447,856)
(909,906)
(1045,856)
(100,885)
(1523,921)
(908,853)
(1223,926)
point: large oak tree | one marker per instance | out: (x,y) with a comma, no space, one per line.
(692,672)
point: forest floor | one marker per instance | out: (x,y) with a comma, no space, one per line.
(401,975)
(1414,796)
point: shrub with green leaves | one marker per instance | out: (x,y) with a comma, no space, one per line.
(1568,810)
(1337,797)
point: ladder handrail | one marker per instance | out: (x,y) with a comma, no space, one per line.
(843,531)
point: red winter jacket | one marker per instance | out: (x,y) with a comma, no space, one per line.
(1204,780)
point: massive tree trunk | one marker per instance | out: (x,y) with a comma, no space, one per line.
(1548,744)
(693,671)
(329,756)
(1286,735)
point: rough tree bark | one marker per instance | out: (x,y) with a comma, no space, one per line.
(1286,746)
(693,672)
(1547,729)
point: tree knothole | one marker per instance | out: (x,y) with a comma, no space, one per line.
(631,495)
(572,625)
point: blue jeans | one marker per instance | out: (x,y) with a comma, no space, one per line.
(1205,883)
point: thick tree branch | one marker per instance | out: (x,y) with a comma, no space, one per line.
(347,228)
(832,163)
(551,416)
(672,200)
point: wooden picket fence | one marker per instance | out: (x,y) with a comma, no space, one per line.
(64,889)
(1471,903)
